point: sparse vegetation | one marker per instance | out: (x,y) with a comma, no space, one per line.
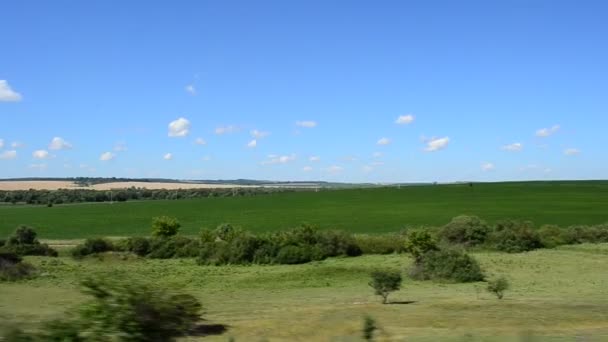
(385,282)
(498,286)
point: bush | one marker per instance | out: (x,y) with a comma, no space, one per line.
(165,226)
(92,246)
(515,237)
(381,244)
(167,248)
(23,242)
(385,282)
(292,255)
(334,243)
(124,311)
(465,230)
(551,236)
(447,265)
(369,327)
(498,286)
(419,243)
(138,245)
(12,267)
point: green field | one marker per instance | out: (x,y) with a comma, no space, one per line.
(557,295)
(356,210)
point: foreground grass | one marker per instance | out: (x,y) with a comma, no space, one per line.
(357,210)
(557,295)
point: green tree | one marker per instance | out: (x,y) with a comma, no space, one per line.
(164,226)
(498,286)
(385,282)
(418,243)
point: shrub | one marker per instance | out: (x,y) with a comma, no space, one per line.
(166,248)
(516,237)
(419,243)
(23,242)
(164,226)
(138,245)
(369,327)
(125,311)
(465,230)
(385,282)
(447,265)
(23,235)
(227,232)
(293,255)
(92,246)
(551,236)
(12,267)
(334,243)
(381,244)
(498,286)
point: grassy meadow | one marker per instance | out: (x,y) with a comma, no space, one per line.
(557,295)
(373,210)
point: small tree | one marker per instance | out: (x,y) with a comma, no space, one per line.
(165,226)
(498,286)
(419,243)
(385,282)
(369,327)
(23,235)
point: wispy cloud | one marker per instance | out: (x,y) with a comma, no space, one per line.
(107,156)
(275,159)
(307,168)
(334,169)
(383,141)
(179,128)
(58,143)
(572,151)
(259,134)
(514,147)
(545,132)
(226,129)
(314,159)
(41,154)
(200,141)
(405,119)
(252,144)
(12,154)
(120,147)
(7,94)
(436,144)
(190,89)
(485,167)
(168,156)
(306,124)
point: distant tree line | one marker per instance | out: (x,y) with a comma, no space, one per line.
(61,196)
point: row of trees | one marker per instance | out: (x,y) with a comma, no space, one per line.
(61,196)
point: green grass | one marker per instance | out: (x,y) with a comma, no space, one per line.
(558,295)
(357,210)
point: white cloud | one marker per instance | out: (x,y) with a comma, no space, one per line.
(1,143)
(572,151)
(120,147)
(349,159)
(259,134)
(8,155)
(179,128)
(17,144)
(376,163)
(252,144)
(225,129)
(200,141)
(485,167)
(41,154)
(335,169)
(106,156)
(314,159)
(514,147)
(190,89)
(377,154)
(58,143)
(306,124)
(168,156)
(275,159)
(383,141)
(39,167)
(405,119)
(7,94)
(436,144)
(307,168)
(545,132)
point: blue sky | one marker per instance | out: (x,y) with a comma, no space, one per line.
(486,90)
